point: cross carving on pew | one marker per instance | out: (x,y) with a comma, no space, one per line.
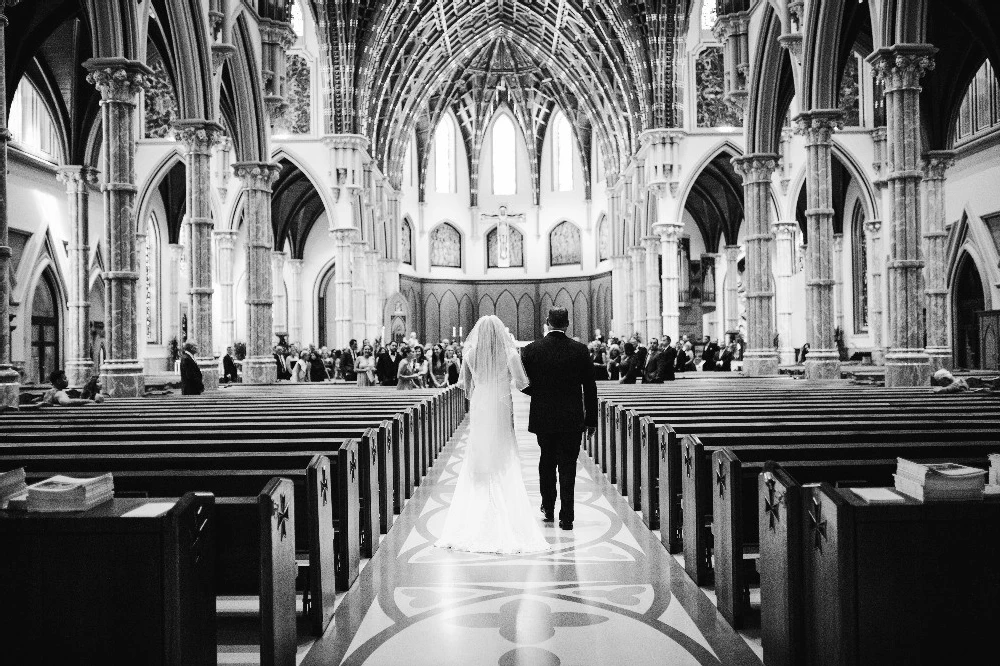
(720,479)
(771,503)
(354,465)
(374,453)
(663,447)
(817,523)
(687,460)
(324,486)
(281,511)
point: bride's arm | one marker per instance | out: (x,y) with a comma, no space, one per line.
(517,372)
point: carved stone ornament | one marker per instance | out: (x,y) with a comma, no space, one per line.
(902,66)
(117,79)
(818,126)
(937,162)
(257,175)
(873,227)
(670,232)
(784,230)
(756,168)
(76,177)
(198,135)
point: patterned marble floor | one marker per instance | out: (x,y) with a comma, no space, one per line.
(608,593)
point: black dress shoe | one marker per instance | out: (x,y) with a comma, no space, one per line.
(548,515)
(565,524)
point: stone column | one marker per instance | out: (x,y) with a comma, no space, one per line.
(78,180)
(199,136)
(638,290)
(175,257)
(258,178)
(374,296)
(936,164)
(343,238)
(784,254)
(359,291)
(900,69)
(653,301)
(619,295)
(119,81)
(873,233)
(732,298)
(279,302)
(225,244)
(761,358)
(818,126)
(295,301)
(719,325)
(670,234)
(838,281)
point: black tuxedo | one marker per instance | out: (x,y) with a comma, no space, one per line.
(191,381)
(563,403)
(229,369)
(665,364)
(387,368)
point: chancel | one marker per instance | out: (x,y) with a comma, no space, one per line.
(765,233)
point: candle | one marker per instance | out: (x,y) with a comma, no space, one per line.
(383,334)
(459,331)
(452,331)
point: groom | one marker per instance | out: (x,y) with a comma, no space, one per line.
(563,405)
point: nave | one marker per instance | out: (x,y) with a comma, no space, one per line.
(608,593)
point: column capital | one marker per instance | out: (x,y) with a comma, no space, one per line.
(350,141)
(257,175)
(819,125)
(117,79)
(225,238)
(733,253)
(873,228)
(784,230)
(198,135)
(669,233)
(756,167)
(76,177)
(902,66)
(838,242)
(295,265)
(937,162)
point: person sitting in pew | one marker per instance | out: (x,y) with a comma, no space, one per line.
(945,382)
(57,396)
(191,381)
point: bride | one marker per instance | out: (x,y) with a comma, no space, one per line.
(490,511)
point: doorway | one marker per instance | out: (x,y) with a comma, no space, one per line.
(967,299)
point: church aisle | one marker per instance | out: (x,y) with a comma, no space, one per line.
(607,594)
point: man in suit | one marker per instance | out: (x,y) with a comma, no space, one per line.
(229,373)
(191,382)
(347,359)
(709,354)
(387,365)
(649,375)
(666,362)
(563,405)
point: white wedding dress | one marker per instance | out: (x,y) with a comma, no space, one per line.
(490,511)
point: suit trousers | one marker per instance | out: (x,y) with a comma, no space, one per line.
(559,453)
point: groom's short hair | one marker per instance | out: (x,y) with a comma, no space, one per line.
(558,318)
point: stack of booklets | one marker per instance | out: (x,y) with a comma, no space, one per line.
(12,486)
(64,493)
(939,482)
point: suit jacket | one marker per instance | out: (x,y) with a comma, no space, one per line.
(347,358)
(387,368)
(229,368)
(649,375)
(562,387)
(665,364)
(191,383)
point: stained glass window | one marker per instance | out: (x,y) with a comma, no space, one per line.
(564,245)
(446,246)
(562,154)
(30,122)
(980,109)
(504,156)
(444,156)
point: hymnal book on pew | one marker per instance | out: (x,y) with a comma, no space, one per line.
(939,481)
(12,486)
(879,495)
(64,493)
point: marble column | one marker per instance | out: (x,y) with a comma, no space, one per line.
(638,291)
(258,179)
(732,286)
(175,276)
(199,136)
(279,307)
(818,126)
(900,69)
(784,255)
(225,244)
(119,82)
(78,181)
(359,290)
(343,239)
(374,296)
(670,235)
(295,300)
(873,234)
(761,358)
(653,301)
(619,295)
(838,281)
(936,164)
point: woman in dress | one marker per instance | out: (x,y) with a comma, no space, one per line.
(317,371)
(300,370)
(452,366)
(490,511)
(438,368)
(409,371)
(365,367)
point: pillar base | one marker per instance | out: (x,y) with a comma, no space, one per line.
(79,371)
(878,356)
(907,368)
(822,364)
(259,370)
(940,358)
(123,379)
(10,389)
(787,356)
(760,364)
(209,373)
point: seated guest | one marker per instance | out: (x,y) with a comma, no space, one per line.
(364,367)
(191,381)
(409,371)
(708,355)
(229,373)
(57,396)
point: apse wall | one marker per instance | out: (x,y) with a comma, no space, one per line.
(438,308)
